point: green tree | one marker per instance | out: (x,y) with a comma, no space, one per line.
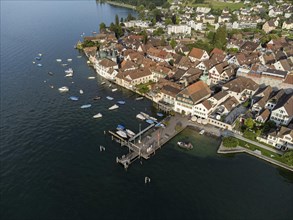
(152,6)
(112,27)
(116,20)
(168,21)
(249,123)
(102,26)
(230,142)
(220,38)
(130,17)
(140,8)
(268,126)
(173,43)
(145,37)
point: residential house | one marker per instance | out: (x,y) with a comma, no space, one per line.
(264,116)
(221,72)
(190,96)
(178,29)
(282,113)
(203,109)
(260,99)
(271,103)
(282,139)
(219,98)
(241,88)
(130,78)
(284,65)
(160,71)
(227,106)
(270,25)
(158,55)
(197,54)
(105,68)
(288,25)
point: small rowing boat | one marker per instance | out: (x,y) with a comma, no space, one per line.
(86,106)
(121,102)
(185,145)
(63,89)
(99,115)
(97,98)
(122,134)
(114,90)
(139,98)
(114,107)
(102,83)
(149,121)
(109,98)
(91,77)
(140,116)
(130,133)
(73,98)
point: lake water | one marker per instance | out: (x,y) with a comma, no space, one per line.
(51,166)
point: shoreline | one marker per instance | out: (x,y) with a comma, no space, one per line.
(238,149)
(122,5)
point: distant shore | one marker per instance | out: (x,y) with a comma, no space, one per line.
(122,5)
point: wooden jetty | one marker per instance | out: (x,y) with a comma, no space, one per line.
(149,140)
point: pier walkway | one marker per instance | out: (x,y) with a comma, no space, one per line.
(145,143)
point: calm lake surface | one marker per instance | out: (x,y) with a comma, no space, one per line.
(51,166)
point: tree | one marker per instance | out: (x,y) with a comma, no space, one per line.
(249,123)
(166,5)
(230,142)
(102,26)
(220,37)
(152,6)
(268,125)
(173,18)
(116,20)
(163,41)
(112,27)
(173,43)
(130,17)
(121,20)
(145,37)
(168,21)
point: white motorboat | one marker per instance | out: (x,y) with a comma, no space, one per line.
(113,90)
(152,118)
(109,98)
(86,106)
(144,114)
(102,83)
(114,107)
(201,132)
(140,116)
(139,98)
(70,70)
(81,91)
(69,60)
(63,89)
(99,115)
(59,60)
(69,75)
(122,133)
(91,77)
(130,133)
